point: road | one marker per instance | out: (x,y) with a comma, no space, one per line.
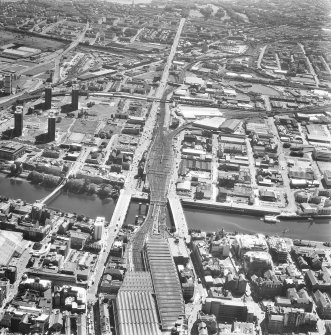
(311,69)
(251,161)
(261,56)
(117,221)
(282,162)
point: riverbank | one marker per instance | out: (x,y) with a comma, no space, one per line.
(233,208)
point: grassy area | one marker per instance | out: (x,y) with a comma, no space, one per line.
(64,125)
(85,126)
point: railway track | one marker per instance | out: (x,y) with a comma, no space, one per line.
(158,171)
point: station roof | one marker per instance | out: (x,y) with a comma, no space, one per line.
(166,284)
(136,313)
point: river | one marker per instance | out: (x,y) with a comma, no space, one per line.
(214,221)
(92,206)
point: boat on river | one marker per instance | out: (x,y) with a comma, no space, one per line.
(271,219)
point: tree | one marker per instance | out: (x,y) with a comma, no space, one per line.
(51,181)
(220,13)
(105,192)
(35,177)
(92,188)
(206,11)
(75,185)
(13,169)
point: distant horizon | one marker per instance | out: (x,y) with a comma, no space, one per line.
(127,2)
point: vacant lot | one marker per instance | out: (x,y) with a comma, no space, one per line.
(76,137)
(85,126)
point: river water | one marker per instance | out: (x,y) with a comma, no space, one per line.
(214,221)
(92,206)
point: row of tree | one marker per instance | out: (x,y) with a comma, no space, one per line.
(85,186)
(45,179)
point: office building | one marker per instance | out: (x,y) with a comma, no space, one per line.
(228,310)
(98,227)
(48,96)
(8,84)
(257,262)
(18,118)
(51,127)
(74,96)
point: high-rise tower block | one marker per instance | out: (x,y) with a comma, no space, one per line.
(18,118)
(48,96)
(51,127)
(74,96)
(8,84)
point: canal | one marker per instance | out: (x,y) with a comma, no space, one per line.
(93,206)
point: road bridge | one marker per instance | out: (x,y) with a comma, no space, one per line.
(73,170)
(178,216)
(115,224)
(54,193)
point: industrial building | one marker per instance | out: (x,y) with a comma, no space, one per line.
(322,154)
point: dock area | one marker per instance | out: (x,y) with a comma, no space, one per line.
(233,207)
